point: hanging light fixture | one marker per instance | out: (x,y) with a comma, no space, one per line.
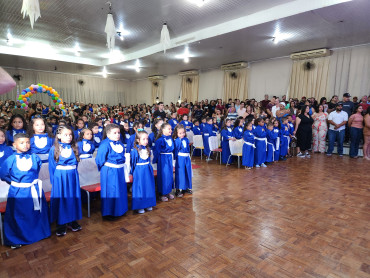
(32,9)
(157,99)
(165,37)
(110,29)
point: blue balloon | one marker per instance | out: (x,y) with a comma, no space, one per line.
(47,91)
(28,90)
(39,89)
(21,101)
(28,99)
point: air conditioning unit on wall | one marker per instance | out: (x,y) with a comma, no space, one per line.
(311,54)
(234,66)
(156,77)
(188,72)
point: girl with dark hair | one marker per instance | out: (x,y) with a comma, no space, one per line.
(303,131)
(17,124)
(85,143)
(238,128)
(226,136)
(65,199)
(319,129)
(155,128)
(261,143)
(41,138)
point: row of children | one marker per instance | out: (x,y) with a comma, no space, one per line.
(27,218)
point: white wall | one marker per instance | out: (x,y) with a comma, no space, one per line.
(211,84)
(270,77)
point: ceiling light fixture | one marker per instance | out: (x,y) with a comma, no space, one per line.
(278,36)
(136,67)
(186,56)
(105,73)
(32,9)
(9,40)
(77,50)
(165,37)
(110,29)
(199,3)
(121,32)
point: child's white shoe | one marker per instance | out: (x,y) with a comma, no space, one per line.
(149,209)
(257,166)
(141,211)
(263,165)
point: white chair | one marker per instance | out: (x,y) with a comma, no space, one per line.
(198,144)
(219,139)
(190,136)
(236,149)
(214,146)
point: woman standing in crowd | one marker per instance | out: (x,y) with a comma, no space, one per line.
(319,130)
(356,125)
(366,147)
(303,131)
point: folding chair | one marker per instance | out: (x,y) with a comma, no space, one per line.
(236,149)
(198,144)
(190,136)
(214,146)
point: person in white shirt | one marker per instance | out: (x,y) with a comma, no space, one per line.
(337,120)
(241,110)
(275,108)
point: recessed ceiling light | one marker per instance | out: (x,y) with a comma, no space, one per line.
(136,67)
(105,73)
(199,3)
(186,56)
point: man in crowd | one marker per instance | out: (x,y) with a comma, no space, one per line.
(348,107)
(183,110)
(265,101)
(269,106)
(364,103)
(160,111)
(332,104)
(19,110)
(337,120)
(197,113)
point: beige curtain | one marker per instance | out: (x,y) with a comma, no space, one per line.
(235,85)
(157,90)
(309,83)
(190,88)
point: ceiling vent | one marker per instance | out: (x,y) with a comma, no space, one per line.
(310,54)
(188,72)
(235,66)
(156,77)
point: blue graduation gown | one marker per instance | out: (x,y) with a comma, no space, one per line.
(173,123)
(284,139)
(112,180)
(5,152)
(196,131)
(163,156)
(271,137)
(183,171)
(188,125)
(130,143)
(207,132)
(97,139)
(147,123)
(238,132)
(86,148)
(22,223)
(248,149)
(40,145)
(151,140)
(277,144)
(260,153)
(100,128)
(77,133)
(65,198)
(11,133)
(226,135)
(202,126)
(143,186)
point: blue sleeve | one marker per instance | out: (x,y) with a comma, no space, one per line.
(39,163)
(52,164)
(79,145)
(157,149)
(134,157)
(5,169)
(177,148)
(101,156)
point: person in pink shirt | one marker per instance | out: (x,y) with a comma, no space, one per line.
(356,125)
(366,148)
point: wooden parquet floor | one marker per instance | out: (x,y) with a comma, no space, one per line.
(299,218)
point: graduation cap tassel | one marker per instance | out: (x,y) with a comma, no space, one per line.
(32,9)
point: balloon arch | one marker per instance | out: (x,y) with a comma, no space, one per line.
(25,95)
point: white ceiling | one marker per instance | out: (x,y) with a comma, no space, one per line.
(219,32)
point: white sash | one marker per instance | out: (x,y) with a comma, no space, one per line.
(250,144)
(66,167)
(36,197)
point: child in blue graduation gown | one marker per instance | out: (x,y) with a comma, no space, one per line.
(152,136)
(208,132)
(284,138)
(26,216)
(203,124)
(143,186)
(196,128)
(17,124)
(187,124)
(80,124)
(125,133)
(5,150)
(238,128)
(248,146)
(271,137)
(277,140)
(110,160)
(131,140)
(65,198)
(41,138)
(163,156)
(261,143)
(183,171)
(99,121)
(97,136)
(226,136)
(173,122)
(86,146)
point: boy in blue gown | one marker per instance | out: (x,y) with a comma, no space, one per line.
(248,147)
(226,136)
(26,217)
(208,132)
